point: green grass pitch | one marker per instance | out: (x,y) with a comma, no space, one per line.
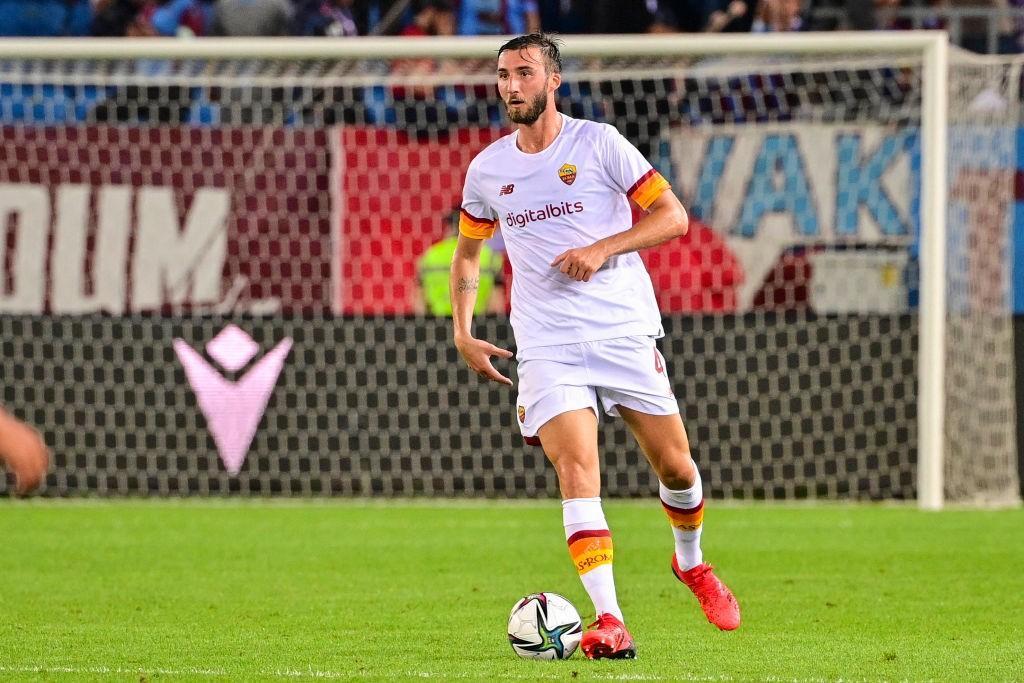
(221,590)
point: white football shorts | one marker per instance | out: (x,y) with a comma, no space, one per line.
(627,371)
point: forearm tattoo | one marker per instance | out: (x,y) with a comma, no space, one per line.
(469,284)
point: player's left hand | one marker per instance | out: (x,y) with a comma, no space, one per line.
(582,262)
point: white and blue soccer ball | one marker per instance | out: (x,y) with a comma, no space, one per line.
(544,626)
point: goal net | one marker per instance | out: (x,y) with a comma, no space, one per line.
(213,273)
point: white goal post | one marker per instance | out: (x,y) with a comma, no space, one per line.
(931,47)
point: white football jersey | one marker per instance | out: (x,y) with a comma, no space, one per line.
(569,195)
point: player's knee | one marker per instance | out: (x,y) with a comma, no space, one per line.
(579,484)
(678,472)
(579,476)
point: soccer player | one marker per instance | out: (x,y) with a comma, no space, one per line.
(24,453)
(584,318)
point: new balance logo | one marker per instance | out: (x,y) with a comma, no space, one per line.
(506,189)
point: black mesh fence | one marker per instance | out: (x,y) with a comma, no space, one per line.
(791,406)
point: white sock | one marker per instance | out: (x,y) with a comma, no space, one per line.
(685,510)
(591,551)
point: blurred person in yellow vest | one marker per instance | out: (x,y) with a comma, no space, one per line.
(434,270)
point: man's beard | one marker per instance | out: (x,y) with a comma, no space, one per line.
(532,113)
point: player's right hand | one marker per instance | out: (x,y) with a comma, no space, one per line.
(24,452)
(477,354)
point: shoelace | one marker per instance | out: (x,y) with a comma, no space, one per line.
(705,581)
(603,621)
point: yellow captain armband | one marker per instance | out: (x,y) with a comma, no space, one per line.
(648,188)
(477,228)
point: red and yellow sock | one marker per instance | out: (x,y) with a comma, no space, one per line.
(685,512)
(591,550)
(685,519)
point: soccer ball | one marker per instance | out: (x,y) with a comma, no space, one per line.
(544,626)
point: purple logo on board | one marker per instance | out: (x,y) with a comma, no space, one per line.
(233,409)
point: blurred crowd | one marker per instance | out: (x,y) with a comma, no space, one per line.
(340,18)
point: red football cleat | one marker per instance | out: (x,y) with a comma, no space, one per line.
(608,639)
(715,598)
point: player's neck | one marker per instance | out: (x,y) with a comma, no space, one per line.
(539,135)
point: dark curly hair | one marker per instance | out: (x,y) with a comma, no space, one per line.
(547,43)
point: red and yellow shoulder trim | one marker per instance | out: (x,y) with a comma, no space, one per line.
(648,188)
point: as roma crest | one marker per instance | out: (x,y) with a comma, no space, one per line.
(522,414)
(567,174)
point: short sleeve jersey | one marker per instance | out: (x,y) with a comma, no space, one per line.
(571,194)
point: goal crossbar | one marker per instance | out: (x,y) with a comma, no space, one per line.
(848,42)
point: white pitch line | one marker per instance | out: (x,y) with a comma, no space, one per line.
(313,673)
(316,674)
(106,670)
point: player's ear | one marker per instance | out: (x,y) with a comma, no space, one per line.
(554,82)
